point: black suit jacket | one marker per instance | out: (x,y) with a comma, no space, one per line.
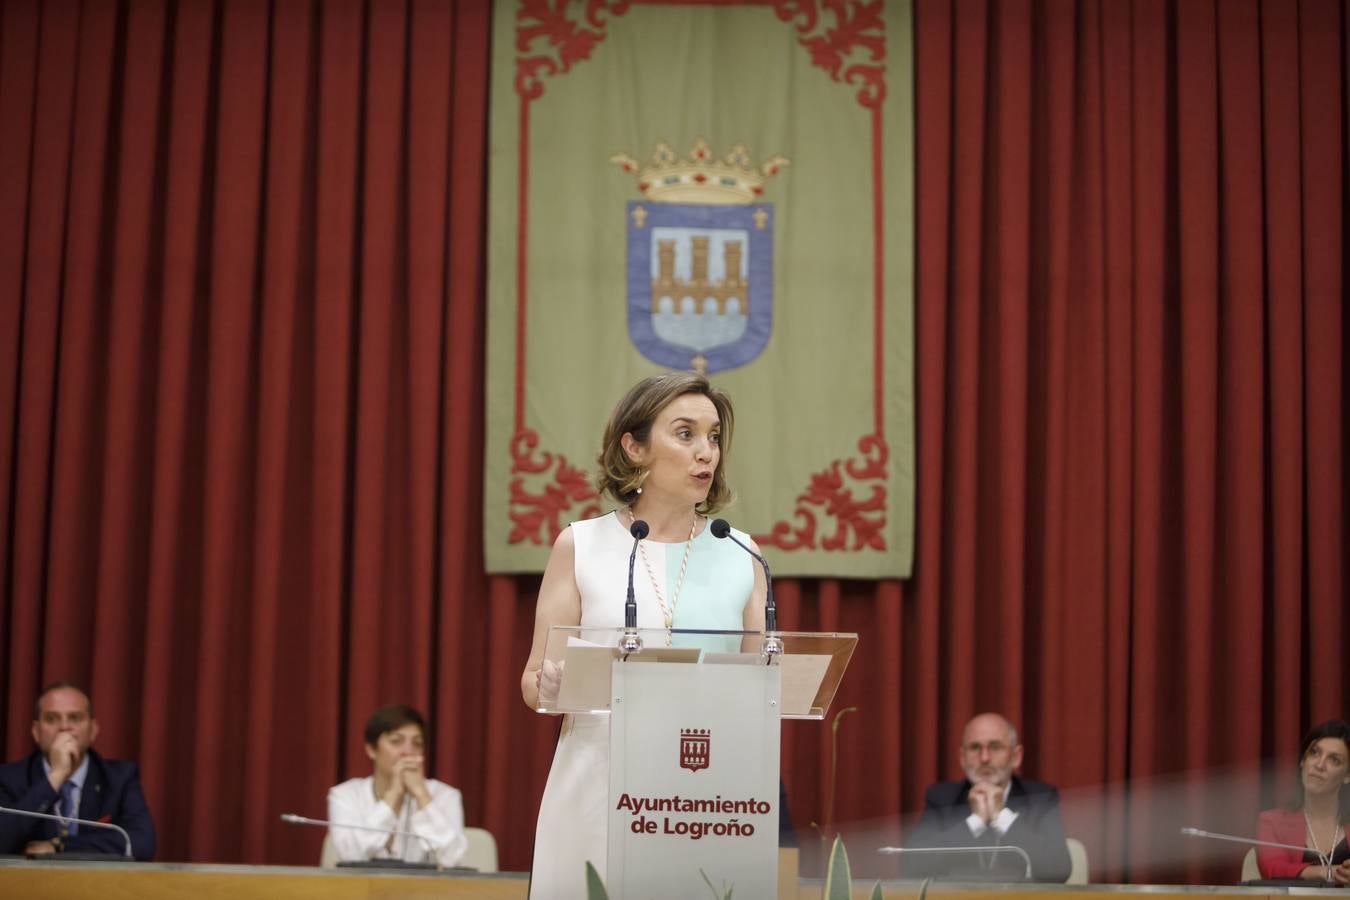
(1037,830)
(111,793)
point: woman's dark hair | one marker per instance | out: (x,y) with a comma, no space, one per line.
(1332,728)
(636,413)
(392,718)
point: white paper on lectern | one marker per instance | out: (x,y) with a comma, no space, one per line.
(586,673)
(585,682)
(667,655)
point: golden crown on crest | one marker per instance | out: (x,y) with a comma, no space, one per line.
(701,179)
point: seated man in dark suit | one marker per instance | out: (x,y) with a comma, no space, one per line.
(65,777)
(991,808)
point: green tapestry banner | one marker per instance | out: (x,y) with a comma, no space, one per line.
(722,187)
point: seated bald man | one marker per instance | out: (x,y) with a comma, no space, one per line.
(66,777)
(992,807)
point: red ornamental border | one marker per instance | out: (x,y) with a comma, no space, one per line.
(538,516)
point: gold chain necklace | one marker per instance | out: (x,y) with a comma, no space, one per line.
(668,612)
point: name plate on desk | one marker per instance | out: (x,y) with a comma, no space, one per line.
(693,780)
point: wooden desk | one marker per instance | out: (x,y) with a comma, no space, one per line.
(24,879)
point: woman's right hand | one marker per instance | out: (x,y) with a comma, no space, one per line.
(549,680)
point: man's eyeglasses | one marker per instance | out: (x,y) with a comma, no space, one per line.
(994,747)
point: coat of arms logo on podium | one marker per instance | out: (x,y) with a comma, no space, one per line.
(700,258)
(695,748)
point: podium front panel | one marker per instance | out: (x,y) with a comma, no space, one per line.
(693,779)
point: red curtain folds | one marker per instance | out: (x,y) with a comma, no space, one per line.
(1131,374)
(242,286)
(241,320)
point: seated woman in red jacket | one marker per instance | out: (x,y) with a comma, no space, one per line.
(1317,818)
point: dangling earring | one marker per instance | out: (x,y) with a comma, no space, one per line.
(642,478)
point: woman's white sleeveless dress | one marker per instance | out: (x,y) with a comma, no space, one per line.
(718,582)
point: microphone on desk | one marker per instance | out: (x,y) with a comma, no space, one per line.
(293,819)
(631,642)
(772,643)
(1214,835)
(92,823)
(1196,832)
(996,848)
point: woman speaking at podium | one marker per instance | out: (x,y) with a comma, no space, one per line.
(1318,817)
(662,458)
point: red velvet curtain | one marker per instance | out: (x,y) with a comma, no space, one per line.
(241,380)
(243,323)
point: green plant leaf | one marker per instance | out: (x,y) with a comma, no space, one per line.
(708,882)
(837,877)
(595,888)
(876,891)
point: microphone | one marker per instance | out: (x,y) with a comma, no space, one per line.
(772,645)
(631,642)
(303,820)
(996,848)
(1196,832)
(92,823)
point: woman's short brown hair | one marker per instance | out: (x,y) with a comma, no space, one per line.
(619,476)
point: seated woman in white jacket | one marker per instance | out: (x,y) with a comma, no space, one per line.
(397,797)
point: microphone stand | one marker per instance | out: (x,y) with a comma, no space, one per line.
(293,819)
(64,819)
(773,643)
(631,642)
(1214,835)
(1196,832)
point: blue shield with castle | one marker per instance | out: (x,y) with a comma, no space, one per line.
(700,258)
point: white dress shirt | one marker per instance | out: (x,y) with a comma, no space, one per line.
(441,824)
